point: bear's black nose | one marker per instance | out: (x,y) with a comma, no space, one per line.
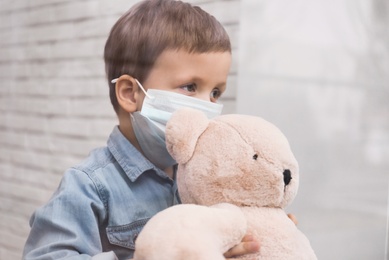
(287,176)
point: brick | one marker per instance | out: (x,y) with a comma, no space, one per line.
(79,87)
(40,12)
(56,109)
(38,177)
(117,7)
(91,47)
(24,192)
(13,70)
(96,27)
(12,53)
(92,107)
(78,126)
(90,67)
(50,32)
(6,21)
(16,121)
(97,129)
(14,224)
(5,156)
(11,242)
(41,52)
(9,5)
(28,158)
(8,70)
(43,167)
(60,164)
(72,146)
(27,104)
(6,253)
(76,10)
(50,143)
(40,3)
(53,87)
(21,208)
(10,138)
(84,107)
(54,32)
(12,36)
(41,15)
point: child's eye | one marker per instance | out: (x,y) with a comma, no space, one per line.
(215,94)
(189,87)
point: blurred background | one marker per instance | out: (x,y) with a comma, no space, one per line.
(318,69)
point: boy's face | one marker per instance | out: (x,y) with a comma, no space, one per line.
(202,76)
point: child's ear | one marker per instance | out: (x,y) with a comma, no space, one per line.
(127,93)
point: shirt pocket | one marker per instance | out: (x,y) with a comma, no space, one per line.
(126,235)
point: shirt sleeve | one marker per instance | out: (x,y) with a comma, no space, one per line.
(68,226)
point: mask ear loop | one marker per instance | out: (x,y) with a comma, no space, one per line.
(140,86)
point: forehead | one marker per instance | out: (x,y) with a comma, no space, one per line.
(180,65)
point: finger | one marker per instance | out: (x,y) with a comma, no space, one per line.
(247,246)
(293,218)
(248,238)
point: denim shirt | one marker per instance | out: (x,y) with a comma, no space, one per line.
(100,205)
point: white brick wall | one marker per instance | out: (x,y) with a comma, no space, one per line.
(54,104)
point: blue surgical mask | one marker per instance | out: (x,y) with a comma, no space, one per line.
(151,140)
(159,105)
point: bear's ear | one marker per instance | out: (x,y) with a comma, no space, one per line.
(182,132)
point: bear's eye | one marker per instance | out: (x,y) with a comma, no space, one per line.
(255,156)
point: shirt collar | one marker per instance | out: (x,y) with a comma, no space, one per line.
(129,158)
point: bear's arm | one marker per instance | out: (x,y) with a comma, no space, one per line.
(190,231)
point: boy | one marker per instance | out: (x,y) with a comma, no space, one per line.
(159,56)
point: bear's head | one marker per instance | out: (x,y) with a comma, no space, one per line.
(239,159)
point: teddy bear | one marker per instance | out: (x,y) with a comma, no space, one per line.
(236,174)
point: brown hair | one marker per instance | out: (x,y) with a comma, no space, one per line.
(152,26)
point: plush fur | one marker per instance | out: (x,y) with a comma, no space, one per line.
(242,161)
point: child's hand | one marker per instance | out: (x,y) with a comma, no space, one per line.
(248,246)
